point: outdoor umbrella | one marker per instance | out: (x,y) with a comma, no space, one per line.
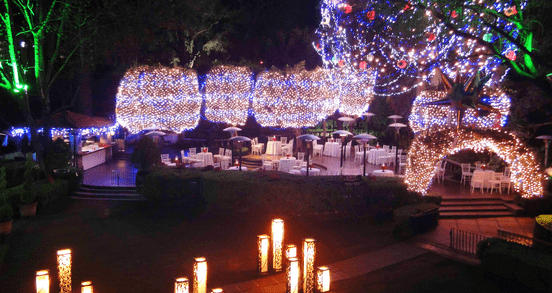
(232,129)
(346,120)
(395,117)
(308,138)
(240,139)
(364,137)
(155,133)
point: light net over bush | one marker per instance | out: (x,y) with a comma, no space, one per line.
(158,97)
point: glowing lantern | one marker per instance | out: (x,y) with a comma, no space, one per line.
(431,37)
(371,15)
(454,14)
(291,251)
(348,9)
(217,290)
(341,63)
(64,270)
(181,285)
(511,55)
(323,279)
(262,259)
(43,281)
(401,64)
(86,287)
(309,252)
(200,275)
(362,65)
(292,285)
(277,242)
(510,11)
(488,37)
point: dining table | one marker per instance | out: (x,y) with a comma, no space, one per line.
(206,158)
(374,154)
(274,147)
(237,168)
(383,173)
(312,171)
(487,177)
(286,164)
(331,149)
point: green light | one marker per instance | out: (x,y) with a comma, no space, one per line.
(488,37)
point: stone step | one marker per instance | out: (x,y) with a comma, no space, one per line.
(474,208)
(107,197)
(474,214)
(472,202)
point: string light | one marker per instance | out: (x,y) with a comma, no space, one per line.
(158,97)
(228,91)
(423,117)
(431,146)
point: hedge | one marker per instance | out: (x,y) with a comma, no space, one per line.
(530,266)
(15,171)
(415,219)
(278,192)
(46,192)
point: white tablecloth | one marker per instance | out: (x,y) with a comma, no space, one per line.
(286,164)
(383,173)
(273,147)
(374,154)
(206,158)
(489,175)
(332,149)
(312,171)
(237,168)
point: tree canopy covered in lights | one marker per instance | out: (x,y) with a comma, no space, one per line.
(158,97)
(423,116)
(296,98)
(405,40)
(430,147)
(228,91)
(356,90)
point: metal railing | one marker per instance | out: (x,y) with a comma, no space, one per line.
(123,178)
(465,241)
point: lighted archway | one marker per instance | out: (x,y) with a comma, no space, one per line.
(429,147)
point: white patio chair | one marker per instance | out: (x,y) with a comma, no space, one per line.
(348,148)
(192,153)
(218,157)
(466,173)
(283,139)
(478,181)
(402,163)
(496,182)
(440,170)
(506,179)
(478,166)
(267,165)
(317,148)
(358,153)
(224,164)
(256,147)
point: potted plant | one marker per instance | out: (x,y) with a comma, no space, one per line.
(27,205)
(6,218)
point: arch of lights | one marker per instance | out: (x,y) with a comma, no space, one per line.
(228,91)
(431,146)
(423,117)
(297,98)
(158,97)
(356,34)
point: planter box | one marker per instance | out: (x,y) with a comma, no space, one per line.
(423,222)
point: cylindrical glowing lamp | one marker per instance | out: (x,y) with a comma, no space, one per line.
(217,290)
(200,275)
(86,287)
(43,281)
(292,274)
(64,270)
(263,242)
(323,279)
(181,285)
(291,251)
(309,252)
(277,242)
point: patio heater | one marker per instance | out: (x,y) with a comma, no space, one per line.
(343,134)
(233,132)
(347,120)
(364,137)
(240,139)
(308,138)
(367,115)
(547,139)
(397,126)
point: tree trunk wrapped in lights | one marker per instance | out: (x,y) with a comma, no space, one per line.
(263,244)
(277,243)
(228,90)
(323,279)
(430,147)
(309,253)
(295,98)
(181,285)
(158,97)
(43,281)
(64,270)
(200,275)
(292,276)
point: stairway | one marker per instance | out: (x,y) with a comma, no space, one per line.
(481,207)
(107,193)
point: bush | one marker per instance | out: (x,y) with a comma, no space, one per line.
(146,154)
(411,220)
(46,192)
(530,266)
(279,192)
(73,176)
(59,155)
(533,207)
(15,173)
(6,212)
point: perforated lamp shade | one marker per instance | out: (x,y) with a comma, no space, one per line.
(240,139)
(364,137)
(308,138)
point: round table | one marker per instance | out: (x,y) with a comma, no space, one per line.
(331,149)
(237,168)
(489,175)
(286,164)
(312,171)
(383,173)
(274,147)
(206,158)
(374,154)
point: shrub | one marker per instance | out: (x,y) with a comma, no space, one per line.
(530,266)
(6,212)
(146,154)
(3,251)
(28,196)
(73,176)
(59,155)
(46,192)
(415,219)
(15,173)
